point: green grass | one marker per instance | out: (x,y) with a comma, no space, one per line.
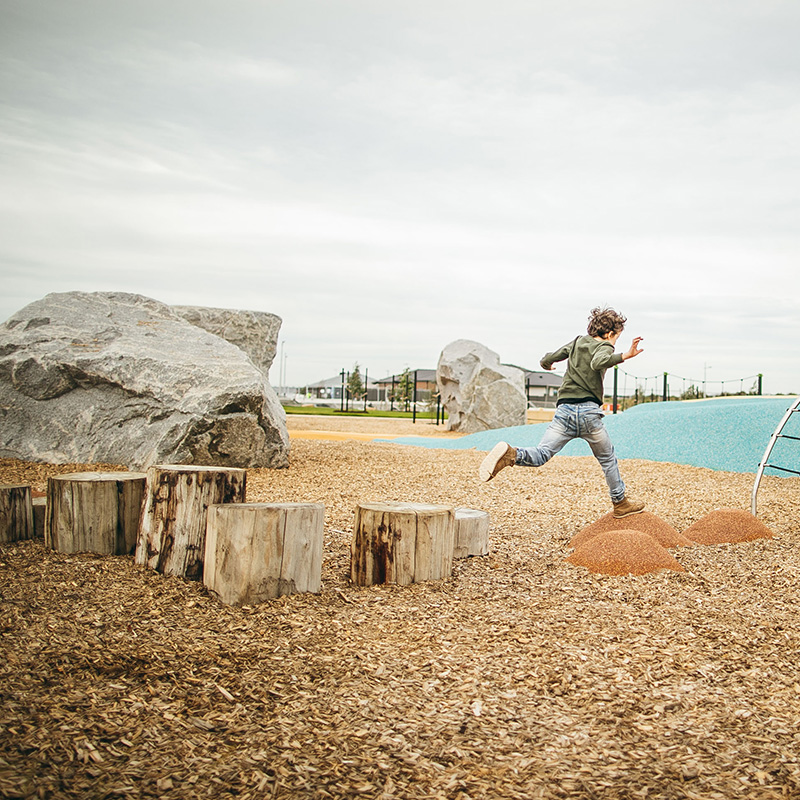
(371,412)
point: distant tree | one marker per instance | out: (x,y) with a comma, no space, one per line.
(692,393)
(404,390)
(433,396)
(355,384)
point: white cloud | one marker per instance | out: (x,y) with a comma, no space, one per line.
(390,177)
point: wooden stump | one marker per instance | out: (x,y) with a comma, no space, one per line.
(472,533)
(39,509)
(16,512)
(95,512)
(172,533)
(258,551)
(401,543)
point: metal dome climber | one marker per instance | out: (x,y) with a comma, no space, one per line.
(778,434)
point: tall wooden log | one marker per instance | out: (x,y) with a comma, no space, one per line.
(172,533)
(258,551)
(472,533)
(16,512)
(95,512)
(401,543)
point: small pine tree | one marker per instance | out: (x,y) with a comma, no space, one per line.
(404,391)
(355,385)
(692,393)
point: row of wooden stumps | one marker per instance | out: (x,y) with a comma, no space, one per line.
(193,522)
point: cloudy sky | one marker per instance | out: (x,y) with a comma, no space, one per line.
(388,177)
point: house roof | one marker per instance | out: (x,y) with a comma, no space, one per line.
(532,378)
(542,379)
(537,377)
(423,376)
(335,381)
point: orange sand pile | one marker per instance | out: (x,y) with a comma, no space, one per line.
(645,522)
(728,525)
(623,552)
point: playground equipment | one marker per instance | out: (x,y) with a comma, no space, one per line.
(778,434)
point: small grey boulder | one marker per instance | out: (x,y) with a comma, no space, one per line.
(478,392)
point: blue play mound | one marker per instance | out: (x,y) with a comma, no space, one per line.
(729,434)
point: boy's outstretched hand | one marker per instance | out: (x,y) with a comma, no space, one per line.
(634,349)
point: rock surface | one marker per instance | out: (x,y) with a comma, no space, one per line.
(478,392)
(255,332)
(123,379)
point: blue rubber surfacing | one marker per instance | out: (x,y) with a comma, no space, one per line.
(727,434)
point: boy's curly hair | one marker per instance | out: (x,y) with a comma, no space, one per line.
(605,320)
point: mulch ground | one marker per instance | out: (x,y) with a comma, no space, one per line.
(521,676)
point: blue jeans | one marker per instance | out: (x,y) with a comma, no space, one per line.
(577,421)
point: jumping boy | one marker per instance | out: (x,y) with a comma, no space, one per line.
(578,413)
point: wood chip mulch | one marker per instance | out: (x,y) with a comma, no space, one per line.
(521,676)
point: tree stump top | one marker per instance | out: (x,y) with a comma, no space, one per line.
(99,476)
(196,468)
(244,506)
(15,486)
(470,513)
(408,508)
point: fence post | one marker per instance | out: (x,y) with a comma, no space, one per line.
(414,409)
(614,398)
(342,404)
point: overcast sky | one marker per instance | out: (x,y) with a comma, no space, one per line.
(388,177)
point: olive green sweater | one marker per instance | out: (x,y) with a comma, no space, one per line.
(588,361)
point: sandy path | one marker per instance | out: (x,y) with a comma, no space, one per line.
(324,426)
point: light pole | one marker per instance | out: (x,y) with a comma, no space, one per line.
(706,367)
(281,368)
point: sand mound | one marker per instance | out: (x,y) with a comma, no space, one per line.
(727,525)
(645,522)
(623,552)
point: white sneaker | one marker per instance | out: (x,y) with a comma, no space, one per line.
(502,455)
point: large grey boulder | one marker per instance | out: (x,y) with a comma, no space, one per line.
(255,332)
(478,392)
(123,379)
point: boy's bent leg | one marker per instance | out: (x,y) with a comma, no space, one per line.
(558,433)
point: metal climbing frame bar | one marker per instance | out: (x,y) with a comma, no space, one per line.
(794,408)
